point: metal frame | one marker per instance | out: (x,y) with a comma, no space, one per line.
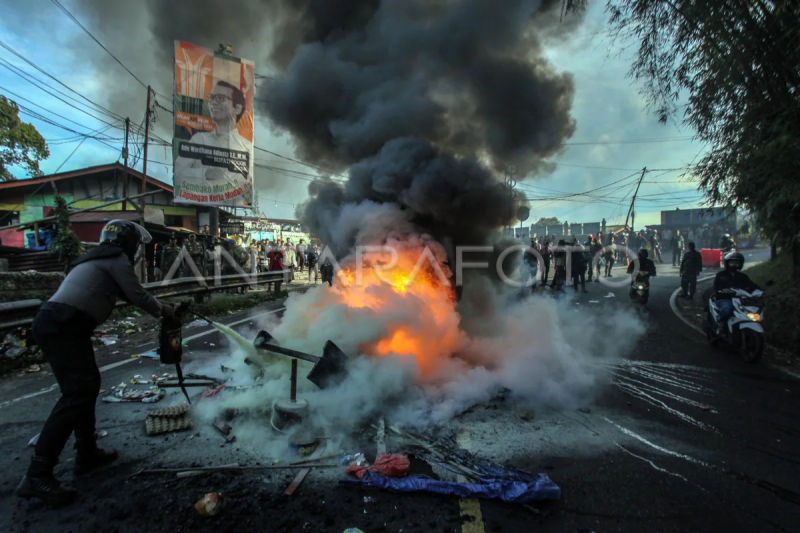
(21,313)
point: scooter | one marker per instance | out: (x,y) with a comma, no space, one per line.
(640,288)
(743,329)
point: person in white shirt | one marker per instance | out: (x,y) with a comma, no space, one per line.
(226,105)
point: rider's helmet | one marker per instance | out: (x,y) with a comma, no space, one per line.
(734,261)
(643,253)
(126,234)
(726,236)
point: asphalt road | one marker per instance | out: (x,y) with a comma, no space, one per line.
(685,438)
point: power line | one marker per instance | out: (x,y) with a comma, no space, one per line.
(35,66)
(630,141)
(81,26)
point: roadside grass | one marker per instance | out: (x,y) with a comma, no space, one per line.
(781,295)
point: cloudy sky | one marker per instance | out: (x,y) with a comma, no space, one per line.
(616,137)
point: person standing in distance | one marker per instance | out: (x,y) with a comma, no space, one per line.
(63,328)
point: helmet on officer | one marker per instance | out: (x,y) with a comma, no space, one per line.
(643,253)
(734,261)
(125,234)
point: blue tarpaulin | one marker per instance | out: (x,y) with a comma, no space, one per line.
(509,486)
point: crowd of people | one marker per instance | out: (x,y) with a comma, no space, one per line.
(595,256)
(192,257)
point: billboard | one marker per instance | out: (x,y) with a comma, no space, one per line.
(212,145)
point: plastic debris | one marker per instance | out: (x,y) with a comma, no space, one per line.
(212,392)
(197,323)
(148,355)
(210,505)
(130,331)
(15,351)
(108,340)
(609,295)
(357,459)
(386,464)
(513,487)
(33,368)
(34,440)
(369,499)
(120,395)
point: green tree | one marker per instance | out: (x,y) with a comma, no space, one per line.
(737,63)
(548,221)
(66,244)
(20,143)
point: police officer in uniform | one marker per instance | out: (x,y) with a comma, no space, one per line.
(168,257)
(195,250)
(63,329)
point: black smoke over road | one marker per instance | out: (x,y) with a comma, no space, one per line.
(424,101)
(420,99)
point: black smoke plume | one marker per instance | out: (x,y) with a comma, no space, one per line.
(425,102)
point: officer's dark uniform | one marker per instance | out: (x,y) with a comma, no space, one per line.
(168,258)
(63,329)
(195,250)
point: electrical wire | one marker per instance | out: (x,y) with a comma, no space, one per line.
(35,66)
(60,6)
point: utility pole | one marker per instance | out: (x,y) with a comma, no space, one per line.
(631,213)
(146,143)
(145,263)
(511,183)
(125,158)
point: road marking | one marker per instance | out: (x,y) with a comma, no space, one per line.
(52,387)
(470,508)
(242,321)
(698,329)
(105,368)
(674,307)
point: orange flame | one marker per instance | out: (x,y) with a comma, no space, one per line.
(419,309)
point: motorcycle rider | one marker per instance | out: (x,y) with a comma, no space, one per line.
(731,277)
(726,243)
(63,328)
(645,264)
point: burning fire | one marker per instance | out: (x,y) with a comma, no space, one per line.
(415,300)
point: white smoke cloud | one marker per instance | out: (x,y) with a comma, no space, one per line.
(538,350)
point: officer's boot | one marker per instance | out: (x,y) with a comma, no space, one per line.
(88,456)
(39,482)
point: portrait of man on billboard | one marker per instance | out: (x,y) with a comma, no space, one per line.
(226,104)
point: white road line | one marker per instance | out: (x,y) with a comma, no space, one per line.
(679,314)
(105,368)
(698,329)
(248,319)
(52,387)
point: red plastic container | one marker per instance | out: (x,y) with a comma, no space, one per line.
(712,257)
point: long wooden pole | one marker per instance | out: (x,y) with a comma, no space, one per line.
(146,143)
(145,264)
(125,158)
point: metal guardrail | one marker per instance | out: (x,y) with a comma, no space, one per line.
(21,313)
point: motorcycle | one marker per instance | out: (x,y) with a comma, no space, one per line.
(640,288)
(743,329)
